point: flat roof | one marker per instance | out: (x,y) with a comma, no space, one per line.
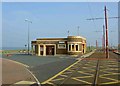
(51,39)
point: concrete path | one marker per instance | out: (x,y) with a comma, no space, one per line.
(13,72)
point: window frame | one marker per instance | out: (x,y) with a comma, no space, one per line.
(61,47)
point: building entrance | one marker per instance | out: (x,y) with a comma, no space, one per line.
(50,50)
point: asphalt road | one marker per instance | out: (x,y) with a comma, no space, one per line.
(94,70)
(48,69)
(33,61)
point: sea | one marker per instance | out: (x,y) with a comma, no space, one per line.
(12,48)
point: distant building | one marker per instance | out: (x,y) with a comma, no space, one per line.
(72,45)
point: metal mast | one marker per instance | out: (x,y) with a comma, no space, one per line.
(106,26)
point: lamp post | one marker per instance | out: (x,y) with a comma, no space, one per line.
(28,21)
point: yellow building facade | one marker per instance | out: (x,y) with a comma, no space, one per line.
(72,45)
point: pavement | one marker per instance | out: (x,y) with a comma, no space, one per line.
(13,72)
(94,70)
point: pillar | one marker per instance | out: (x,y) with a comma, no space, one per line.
(44,50)
(38,50)
(68,47)
(74,47)
(78,47)
(71,47)
(54,49)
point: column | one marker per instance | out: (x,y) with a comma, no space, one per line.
(68,47)
(54,49)
(85,48)
(71,46)
(74,47)
(44,50)
(38,50)
(78,47)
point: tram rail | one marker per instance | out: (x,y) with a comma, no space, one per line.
(93,71)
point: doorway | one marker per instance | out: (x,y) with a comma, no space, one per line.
(50,49)
(83,48)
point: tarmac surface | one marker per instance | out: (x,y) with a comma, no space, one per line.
(62,70)
(41,67)
(94,70)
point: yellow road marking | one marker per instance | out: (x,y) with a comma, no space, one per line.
(61,72)
(50,83)
(71,70)
(58,79)
(64,75)
(85,73)
(109,74)
(84,76)
(88,68)
(74,67)
(108,78)
(66,72)
(81,81)
(111,82)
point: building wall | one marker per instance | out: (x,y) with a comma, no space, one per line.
(76,43)
(77,40)
(61,50)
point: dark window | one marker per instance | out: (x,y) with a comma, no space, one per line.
(76,47)
(72,47)
(69,47)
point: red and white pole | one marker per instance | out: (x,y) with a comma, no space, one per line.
(106,25)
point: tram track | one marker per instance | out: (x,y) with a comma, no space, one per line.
(90,71)
(96,74)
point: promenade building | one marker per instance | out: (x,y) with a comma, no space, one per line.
(72,45)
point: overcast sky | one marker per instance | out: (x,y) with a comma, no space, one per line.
(55,19)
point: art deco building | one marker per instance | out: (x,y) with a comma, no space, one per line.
(72,45)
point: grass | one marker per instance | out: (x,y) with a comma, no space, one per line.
(9,51)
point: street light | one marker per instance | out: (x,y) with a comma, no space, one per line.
(28,21)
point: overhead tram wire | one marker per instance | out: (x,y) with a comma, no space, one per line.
(106,25)
(90,11)
(103,18)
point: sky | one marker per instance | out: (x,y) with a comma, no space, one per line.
(54,19)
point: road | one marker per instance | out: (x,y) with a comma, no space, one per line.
(93,70)
(60,70)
